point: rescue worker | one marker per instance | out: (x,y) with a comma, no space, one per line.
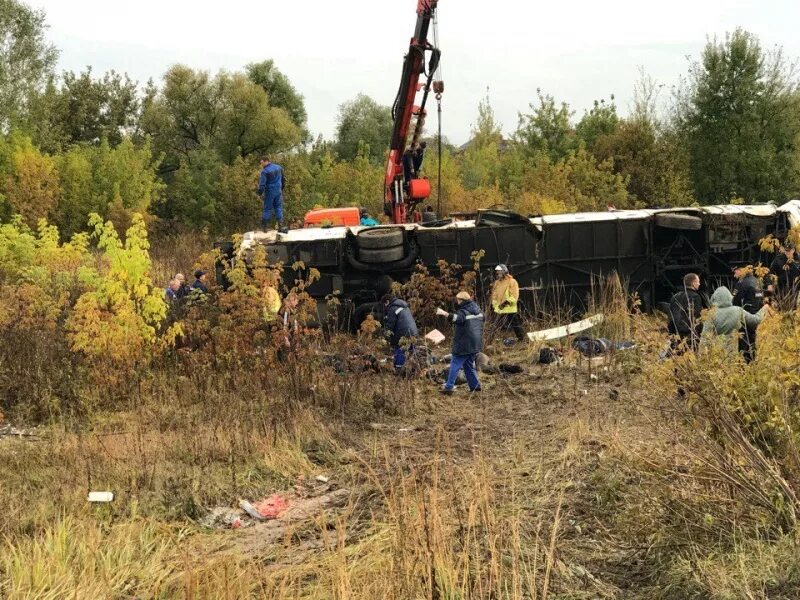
(429,216)
(786,267)
(468,323)
(271,183)
(748,294)
(505,296)
(727,320)
(200,281)
(685,308)
(366,220)
(399,323)
(272,301)
(419,156)
(408,165)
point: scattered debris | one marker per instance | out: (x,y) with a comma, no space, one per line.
(8,430)
(251,510)
(321,479)
(101,497)
(589,346)
(510,369)
(272,507)
(565,330)
(435,337)
(268,508)
(548,356)
(225,517)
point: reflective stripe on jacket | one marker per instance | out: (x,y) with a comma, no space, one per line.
(399,321)
(468,329)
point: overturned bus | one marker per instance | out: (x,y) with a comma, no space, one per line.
(556,259)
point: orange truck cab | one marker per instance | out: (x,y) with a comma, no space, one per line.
(333,217)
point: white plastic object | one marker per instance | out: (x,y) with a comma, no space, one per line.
(101,496)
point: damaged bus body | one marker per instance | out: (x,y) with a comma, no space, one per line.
(556,259)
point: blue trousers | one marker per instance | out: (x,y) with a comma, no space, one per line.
(273,202)
(466,362)
(400,356)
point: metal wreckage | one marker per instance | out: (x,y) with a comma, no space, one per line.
(556,259)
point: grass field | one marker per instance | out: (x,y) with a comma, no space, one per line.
(622,478)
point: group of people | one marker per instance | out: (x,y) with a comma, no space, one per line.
(178,290)
(736,315)
(468,322)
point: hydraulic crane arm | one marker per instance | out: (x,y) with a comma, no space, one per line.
(401,194)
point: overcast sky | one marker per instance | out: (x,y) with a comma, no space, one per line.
(577,51)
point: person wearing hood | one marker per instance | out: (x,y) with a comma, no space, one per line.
(726,319)
(399,323)
(468,323)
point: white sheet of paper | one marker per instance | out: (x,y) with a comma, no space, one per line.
(435,337)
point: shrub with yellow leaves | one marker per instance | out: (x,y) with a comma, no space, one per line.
(115,323)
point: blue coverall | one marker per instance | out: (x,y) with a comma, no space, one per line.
(270,188)
(467,342)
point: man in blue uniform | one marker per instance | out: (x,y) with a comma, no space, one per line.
(270,189)
(400,324)
(467,341)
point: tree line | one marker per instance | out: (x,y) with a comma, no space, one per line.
(185,151)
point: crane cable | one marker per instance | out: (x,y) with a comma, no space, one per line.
(439,117)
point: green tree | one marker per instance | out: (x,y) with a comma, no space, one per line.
(651,159)
(486,130)
(280,91)
(546,129)
(601,120)
(84,109)
(227,114)
(363,120)
(105,180)
(26,59)
(739,115)
(480,162)
(31,187)
(577,182)
(238,207)
(193,190)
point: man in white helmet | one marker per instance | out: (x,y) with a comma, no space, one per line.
(505,296)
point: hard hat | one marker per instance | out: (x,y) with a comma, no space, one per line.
(502,268)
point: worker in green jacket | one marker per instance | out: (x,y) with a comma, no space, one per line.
(726,320)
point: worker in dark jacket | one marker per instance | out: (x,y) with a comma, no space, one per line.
(685,308)
(419,156)
(786,267)
(399,323)
(748,294)
(409,172)
(271,183)
(429,216)
(200,281)
(468,323)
